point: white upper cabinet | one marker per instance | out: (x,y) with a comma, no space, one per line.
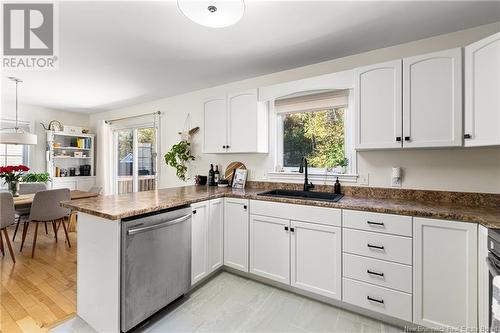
(432,99)
(445,274)
(482,92)
(247,123)
(237,123)
(378,100)
(214,129)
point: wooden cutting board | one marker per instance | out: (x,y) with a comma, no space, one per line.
(228,174)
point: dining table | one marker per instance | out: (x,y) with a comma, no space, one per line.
(27,199)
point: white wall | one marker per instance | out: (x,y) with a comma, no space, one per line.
(36,115)
(472,169)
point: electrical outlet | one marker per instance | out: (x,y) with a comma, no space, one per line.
(363,179)
(396,181)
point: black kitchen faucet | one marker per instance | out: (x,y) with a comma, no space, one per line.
(303,165)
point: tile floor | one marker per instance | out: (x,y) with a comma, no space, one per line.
(230,303)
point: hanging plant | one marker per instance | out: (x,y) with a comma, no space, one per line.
(178,157)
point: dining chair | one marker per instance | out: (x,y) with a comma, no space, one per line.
(96,189)
(46,208)
(7,217)
(23,211)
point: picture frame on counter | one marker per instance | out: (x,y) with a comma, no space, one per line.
(239,178)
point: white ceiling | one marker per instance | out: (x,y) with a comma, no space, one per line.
(114,54)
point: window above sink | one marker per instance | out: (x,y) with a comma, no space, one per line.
(319,126)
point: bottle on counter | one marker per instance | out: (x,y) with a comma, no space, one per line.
(211,176)
(336,187)
(216,175)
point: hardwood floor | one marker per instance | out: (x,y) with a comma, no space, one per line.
(40,292)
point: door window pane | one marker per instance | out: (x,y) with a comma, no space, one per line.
(125,161)
(146,158)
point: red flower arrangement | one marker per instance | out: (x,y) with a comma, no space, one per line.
(12,174)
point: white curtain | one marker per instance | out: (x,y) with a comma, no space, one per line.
(105,157)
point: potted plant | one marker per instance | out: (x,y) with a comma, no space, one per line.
(36,177)
(342,166)
(178,158)
(12,174)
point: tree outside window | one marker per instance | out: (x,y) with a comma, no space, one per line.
(317,135)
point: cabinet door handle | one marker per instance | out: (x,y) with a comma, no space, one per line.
(375,246)
(374,273)
(375,223)
(286,228)
(398,138)
(223,147)
(194,211)
(407,138)
(292,229)
(244,206)
(381,301)
(227,146)
(467,136)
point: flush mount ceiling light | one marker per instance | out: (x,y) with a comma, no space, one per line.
(213,14)
(16,135)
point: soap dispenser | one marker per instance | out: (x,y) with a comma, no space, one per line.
(336,187)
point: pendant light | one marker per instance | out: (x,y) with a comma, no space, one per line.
(16,135)
(213,14)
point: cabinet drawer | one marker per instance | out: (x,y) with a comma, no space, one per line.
(389,302)
(379,246)
(384,223)
(321,215)
(379,272)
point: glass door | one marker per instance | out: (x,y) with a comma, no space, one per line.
(135,159)
(146,159)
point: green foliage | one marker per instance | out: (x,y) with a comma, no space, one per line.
(317,135)
(35,177)
(126,140)
(178,157)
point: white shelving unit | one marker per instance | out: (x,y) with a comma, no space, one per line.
(61,150)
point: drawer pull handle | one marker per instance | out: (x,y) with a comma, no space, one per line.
(381,301)
(375,223)
(286,228)
(374,273)
(375,246)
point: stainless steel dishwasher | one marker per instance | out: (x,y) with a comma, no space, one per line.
(156,263)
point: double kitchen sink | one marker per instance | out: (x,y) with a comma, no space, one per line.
(305,195)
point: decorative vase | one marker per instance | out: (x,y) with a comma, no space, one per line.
(14,187)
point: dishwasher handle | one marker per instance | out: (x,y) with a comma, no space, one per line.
(159,225)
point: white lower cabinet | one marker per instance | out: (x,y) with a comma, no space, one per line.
(316,258)
(236,233)
(215,234)
(379,272)
(418,270)
(387,301)
(270,248)
(305,255)
(199,241)
(445,274)
(206,238)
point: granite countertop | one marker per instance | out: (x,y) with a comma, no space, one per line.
(115,207)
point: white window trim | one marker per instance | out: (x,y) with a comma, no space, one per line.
(316,174)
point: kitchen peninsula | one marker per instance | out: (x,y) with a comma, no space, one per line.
(239,224)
